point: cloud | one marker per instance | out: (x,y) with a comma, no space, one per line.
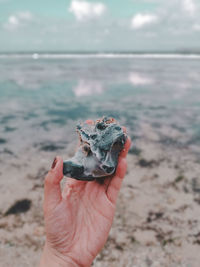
(26,15)
(84,10)
(13,20)
(189,7)
(16,20)
(177,19)
(141,20)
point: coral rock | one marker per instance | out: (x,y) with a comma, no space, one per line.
(98,152)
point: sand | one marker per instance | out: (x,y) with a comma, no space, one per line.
(157,220)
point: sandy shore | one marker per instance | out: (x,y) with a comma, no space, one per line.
(157,221)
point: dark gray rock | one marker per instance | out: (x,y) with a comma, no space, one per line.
(98,152)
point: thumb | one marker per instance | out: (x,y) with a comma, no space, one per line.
(52,190)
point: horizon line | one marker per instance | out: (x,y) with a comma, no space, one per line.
(184,52)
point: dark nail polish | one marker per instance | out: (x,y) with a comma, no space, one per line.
(54,163)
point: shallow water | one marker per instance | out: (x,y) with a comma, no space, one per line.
(41,100)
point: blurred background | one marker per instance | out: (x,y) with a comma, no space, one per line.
(62,62)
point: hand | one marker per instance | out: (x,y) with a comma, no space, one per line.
(78,219)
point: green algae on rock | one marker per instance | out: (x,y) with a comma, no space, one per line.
(98,152)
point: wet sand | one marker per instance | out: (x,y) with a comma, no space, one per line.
(157,220)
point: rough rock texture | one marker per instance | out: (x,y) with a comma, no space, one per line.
(97,155)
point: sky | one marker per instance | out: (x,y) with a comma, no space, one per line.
(104,25)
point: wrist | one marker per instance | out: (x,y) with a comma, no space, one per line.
(51,258)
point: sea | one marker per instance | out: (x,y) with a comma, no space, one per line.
(43,97)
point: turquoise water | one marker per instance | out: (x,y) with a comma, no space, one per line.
(42,99)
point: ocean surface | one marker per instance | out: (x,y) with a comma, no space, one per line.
(42,97)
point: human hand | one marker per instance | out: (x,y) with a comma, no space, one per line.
(78,219)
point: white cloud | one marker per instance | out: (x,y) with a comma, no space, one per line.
(84,10)
(13,20)
(141,20)
(16,20)
(12,23)
(189,7)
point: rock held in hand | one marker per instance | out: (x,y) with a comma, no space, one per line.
(97,156)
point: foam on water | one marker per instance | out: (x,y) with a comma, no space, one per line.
(102,55)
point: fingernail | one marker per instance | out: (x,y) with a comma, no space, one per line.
(54,163)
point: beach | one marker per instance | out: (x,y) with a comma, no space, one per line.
(157,220)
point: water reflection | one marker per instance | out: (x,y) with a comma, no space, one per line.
(136,78)
(88,87)
(71,90)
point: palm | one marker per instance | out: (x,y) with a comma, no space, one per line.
(83,219)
